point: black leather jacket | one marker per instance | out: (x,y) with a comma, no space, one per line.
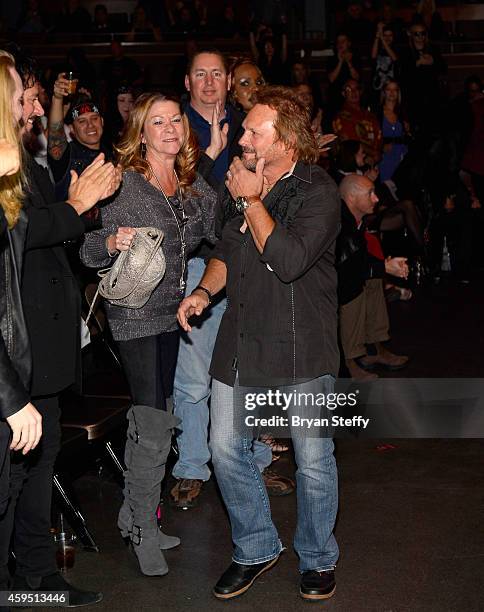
(15,359)
(354,263)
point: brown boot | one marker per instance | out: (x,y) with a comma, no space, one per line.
(357,373)
(384,358)
(277,485)
(185,494)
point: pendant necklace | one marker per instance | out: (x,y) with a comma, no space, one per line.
(181,226)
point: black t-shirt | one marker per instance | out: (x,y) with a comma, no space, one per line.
(75,157)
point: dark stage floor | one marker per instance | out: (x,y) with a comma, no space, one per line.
(410,525)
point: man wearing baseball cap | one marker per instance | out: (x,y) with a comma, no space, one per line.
(86,128)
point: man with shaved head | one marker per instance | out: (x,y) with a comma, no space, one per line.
(363,315)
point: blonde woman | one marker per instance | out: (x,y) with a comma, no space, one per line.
(161,188)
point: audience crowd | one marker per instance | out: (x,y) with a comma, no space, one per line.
(92,167)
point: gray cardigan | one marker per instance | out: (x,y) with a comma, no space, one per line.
(139,204)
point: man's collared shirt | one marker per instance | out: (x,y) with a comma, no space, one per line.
(280,326)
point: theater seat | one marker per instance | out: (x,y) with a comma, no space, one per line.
(98,416)
(88,424)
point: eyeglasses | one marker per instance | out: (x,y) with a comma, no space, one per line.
(419,34)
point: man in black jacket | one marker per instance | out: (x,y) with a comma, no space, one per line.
(20,422)
(276,261)
(363,316)
(52,312)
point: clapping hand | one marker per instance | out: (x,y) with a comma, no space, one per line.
(98,181)
(218,136)
(348,56)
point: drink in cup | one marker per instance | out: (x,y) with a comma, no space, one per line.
(65,552)
(73,80)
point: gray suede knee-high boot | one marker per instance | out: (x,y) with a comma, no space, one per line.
(147,447)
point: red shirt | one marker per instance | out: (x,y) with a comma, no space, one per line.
(359,124)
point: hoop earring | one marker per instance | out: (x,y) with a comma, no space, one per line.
(143,150)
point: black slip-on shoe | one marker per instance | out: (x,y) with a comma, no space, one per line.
(56,582)
(317,585)
(238,578)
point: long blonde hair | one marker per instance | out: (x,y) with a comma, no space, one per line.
(130,149)
(11,187)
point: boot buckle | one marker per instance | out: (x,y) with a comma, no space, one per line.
(136,535)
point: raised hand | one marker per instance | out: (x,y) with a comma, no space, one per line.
(324,140)
(218,136)
(61,87)
(99,180)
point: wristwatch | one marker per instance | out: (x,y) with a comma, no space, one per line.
(242,203)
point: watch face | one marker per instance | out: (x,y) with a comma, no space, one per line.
(241,204)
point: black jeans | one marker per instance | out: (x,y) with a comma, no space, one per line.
(149,364)
(5,436)
(27,520)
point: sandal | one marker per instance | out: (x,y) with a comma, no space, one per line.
(277,447)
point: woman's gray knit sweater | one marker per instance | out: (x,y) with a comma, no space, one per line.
(139,204)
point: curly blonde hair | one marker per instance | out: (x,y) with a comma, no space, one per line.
(11,187)
(130,149)
(293,124)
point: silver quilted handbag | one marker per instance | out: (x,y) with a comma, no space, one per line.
(136,272)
